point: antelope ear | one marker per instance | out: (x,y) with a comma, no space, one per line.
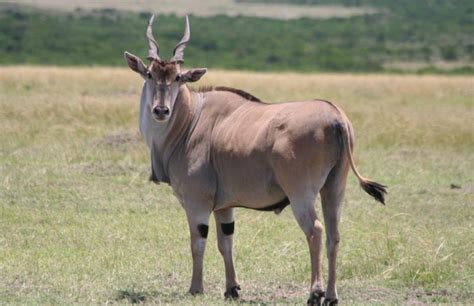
(135,63)
(193,75)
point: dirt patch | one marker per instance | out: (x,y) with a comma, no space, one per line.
(369,294)
(419,297)
(256,293)
(457,187)
(118,140)
(105,169)
(466,188)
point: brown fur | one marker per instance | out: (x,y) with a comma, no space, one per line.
(164,70)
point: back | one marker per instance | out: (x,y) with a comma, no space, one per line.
(247,139)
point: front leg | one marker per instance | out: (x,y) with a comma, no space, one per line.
(225,233)
(198,221)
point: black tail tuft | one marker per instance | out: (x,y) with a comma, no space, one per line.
(376,190)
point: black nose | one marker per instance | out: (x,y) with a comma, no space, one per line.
(161,111)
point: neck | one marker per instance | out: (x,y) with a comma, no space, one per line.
(164,138)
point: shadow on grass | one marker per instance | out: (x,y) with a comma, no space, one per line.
(134,296)
(138,297)
(257,302)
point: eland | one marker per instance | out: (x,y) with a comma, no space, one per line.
(221,148)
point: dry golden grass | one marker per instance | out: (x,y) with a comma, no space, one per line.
(79,223)
(414,66)
(398,110)
(209,8)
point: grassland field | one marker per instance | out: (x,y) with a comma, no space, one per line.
(80,223)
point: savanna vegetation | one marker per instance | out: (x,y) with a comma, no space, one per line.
(80,223)
(411,31)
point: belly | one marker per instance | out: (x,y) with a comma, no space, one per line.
(252,187)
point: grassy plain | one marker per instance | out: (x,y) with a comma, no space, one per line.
(80,223)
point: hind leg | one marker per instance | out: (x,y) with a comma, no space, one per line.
(305,214)
(332,195)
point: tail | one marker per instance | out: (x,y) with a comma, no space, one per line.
(376,190)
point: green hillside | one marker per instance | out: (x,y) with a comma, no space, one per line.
(428,32)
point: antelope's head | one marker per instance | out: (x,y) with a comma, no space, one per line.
(164,79)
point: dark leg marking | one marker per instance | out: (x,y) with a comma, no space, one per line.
(228,228)
(203,230)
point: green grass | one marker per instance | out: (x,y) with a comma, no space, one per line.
(80,223)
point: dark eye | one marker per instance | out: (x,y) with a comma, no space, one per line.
(178,78)
(148,75)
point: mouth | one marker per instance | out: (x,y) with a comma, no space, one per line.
(161,117)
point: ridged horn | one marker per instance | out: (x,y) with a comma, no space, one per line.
(153,48)
(178,53)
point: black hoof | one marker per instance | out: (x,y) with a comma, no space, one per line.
(315,299)
(330,302)
(232,293)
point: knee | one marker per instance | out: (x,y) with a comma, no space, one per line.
(318,227)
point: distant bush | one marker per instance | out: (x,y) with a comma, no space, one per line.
(412,31)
